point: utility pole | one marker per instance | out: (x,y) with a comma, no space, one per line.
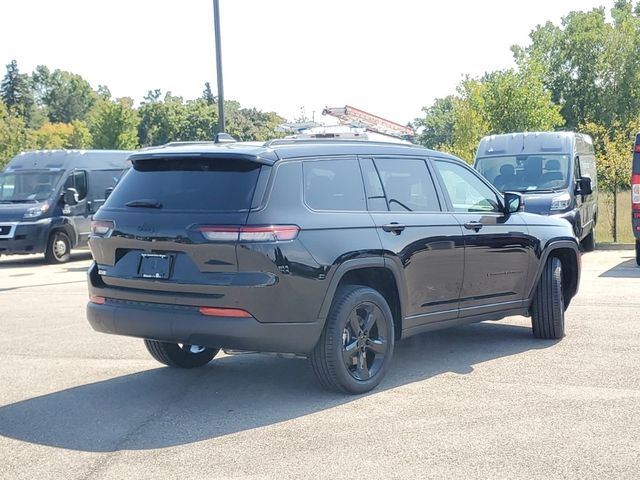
(216,27)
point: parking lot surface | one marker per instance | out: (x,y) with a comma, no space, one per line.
(481,401)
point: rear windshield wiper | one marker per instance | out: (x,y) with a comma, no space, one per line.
(144,203)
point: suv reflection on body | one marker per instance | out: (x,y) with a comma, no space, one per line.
(330,249)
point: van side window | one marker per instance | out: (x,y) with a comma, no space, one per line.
(334,185)
(78,180)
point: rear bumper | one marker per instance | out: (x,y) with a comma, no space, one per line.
(25,237)
(181,324)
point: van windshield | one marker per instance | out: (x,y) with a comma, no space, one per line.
(28,186)
(524,173)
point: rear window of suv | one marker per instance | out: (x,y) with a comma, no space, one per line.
(221,185)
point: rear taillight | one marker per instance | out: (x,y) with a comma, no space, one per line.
(102,228)
(636,148)
(635,191)
(270,233)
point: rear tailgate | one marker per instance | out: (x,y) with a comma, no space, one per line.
(163,211)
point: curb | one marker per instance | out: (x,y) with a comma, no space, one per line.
(615,246)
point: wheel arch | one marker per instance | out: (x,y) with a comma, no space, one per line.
(374,273)
(63,225)
(569,255)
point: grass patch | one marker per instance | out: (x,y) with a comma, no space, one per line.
(605,218)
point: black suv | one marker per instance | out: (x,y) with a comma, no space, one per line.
(329,249)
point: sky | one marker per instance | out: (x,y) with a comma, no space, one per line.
(387,58)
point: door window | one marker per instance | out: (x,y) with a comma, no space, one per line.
(78,180)
(467,192)
(408,185)
(334,185)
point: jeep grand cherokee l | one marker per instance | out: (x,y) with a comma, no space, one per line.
(330,249)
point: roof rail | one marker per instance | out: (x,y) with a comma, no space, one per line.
(354,141)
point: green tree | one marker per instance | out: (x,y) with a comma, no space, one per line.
(590,64)
(113,124)
(65,96)
(436,127)
(613,151)
(207,95)
(161,121)
(517,101)
(16,93)
(80,136)
(499,102)
(13,134)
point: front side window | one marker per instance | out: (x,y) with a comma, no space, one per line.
(408,185)
(467,192)
(527,172)
(334,185)
(78,180)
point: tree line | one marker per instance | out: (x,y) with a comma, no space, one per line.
(581,75)
(58,109)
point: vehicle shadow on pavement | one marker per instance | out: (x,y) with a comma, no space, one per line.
(165,407)
(626,269)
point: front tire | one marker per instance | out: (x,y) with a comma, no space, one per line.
(638,252)
(547,308)
(180,355)
(58,248)
(356,345)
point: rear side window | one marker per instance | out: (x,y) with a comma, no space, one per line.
(221,185)
(408,185)
(334,185)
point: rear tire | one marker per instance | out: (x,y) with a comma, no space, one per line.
(180,355)
(547,308)
(589,242)
(638,252)
(356,345)
(58,248)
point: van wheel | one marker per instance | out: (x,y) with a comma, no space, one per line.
(547,308)
(638,252)
(180,355)
(58,248)
(589,242)
(356,345)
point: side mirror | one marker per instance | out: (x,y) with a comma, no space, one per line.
(514,202)
(584,186)
(108,192)
(70,196)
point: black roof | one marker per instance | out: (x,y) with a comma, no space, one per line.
(274,150)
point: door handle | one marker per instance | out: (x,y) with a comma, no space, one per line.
(473,226)
(394,227)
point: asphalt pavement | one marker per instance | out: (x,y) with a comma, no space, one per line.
(480,401)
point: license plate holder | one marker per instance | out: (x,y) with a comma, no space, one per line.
(155,265)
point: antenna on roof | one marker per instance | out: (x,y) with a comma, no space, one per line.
(223,138)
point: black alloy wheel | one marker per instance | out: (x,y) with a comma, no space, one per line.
(363,345)
(356,345)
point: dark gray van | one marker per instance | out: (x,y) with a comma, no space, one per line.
(554,171)
(48,197)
